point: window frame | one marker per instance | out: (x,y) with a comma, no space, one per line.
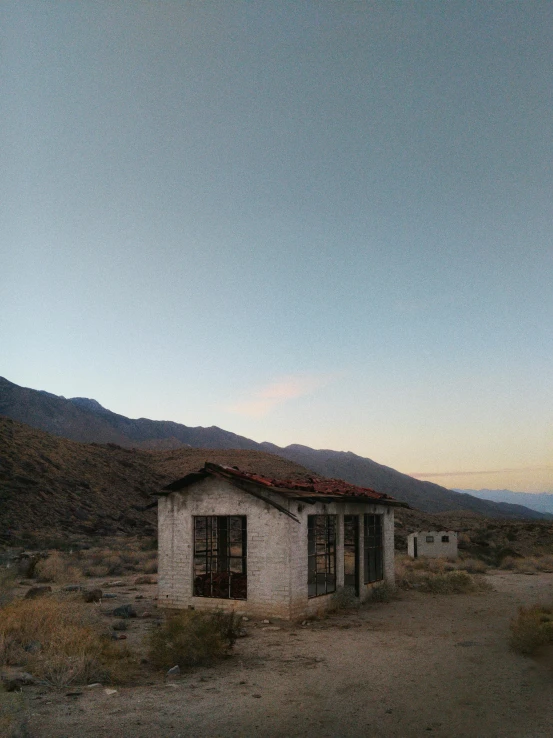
(219,557)
(321,554)
(373,549)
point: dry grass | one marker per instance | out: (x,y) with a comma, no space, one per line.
(531,629)
(190,637)
(57,567)
(440,576)
(59,641)
(64,567)
(7,585)
(13,716)
(528,564)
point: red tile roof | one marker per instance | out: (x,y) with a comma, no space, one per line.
(310,487)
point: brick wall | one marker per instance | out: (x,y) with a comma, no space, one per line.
(277,549)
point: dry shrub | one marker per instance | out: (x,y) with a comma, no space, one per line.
(58,641)
(528,564)
(102,562)
(344,599)
(57,567)
(531,629)
(384,592)
(190,637)
(473,566)
(438,576)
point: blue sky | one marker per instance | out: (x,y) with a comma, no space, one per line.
(323,223)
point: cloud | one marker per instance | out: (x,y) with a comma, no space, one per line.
(263,400)
(474,473)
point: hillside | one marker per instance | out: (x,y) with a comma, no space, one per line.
(59,487)
(85,420)
(53,489)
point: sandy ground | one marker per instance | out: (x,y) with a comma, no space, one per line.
(417,666)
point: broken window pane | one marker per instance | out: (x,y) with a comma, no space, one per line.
(220,556)
(321,554)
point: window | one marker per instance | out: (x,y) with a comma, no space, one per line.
(430,539)
(321,555)
(220,556)
(374,559)
(445,539)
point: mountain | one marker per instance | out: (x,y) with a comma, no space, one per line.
(539,501)
(55,492)
(86,421)
(56,488)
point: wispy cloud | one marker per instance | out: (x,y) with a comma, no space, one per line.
(486,471)
(259,402)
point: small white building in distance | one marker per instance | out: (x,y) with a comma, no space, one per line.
(234,540)
(433,543)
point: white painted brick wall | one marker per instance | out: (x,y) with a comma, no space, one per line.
(277,548)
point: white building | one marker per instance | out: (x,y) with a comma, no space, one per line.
(238,541)
(433,543)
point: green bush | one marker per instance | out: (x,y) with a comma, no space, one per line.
(531,629)
(190,637)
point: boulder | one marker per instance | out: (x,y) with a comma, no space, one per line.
(124,611)
(92,595)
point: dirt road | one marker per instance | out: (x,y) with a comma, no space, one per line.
(422,665)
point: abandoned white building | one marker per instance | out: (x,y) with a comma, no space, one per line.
(433,543)
(238,541)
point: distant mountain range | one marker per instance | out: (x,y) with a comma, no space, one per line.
(540,501)
(85,420)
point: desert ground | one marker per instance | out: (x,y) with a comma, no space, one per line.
(421,664)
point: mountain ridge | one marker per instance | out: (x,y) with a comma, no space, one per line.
(539,501)
(86,421)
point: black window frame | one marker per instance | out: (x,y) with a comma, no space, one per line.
(445,539)
(220,556)
(321,555)
(373,552)
(429,539)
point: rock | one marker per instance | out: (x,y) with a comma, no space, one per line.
(15,682)
(245,619)
(173,671)
(125,611)
(93,685)
(242,633)
(93,595)
(109,596)
(35,592)
(146,614)
(110,691)
(273,627)
(265,622)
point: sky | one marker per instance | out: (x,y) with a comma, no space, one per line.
(326,223)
